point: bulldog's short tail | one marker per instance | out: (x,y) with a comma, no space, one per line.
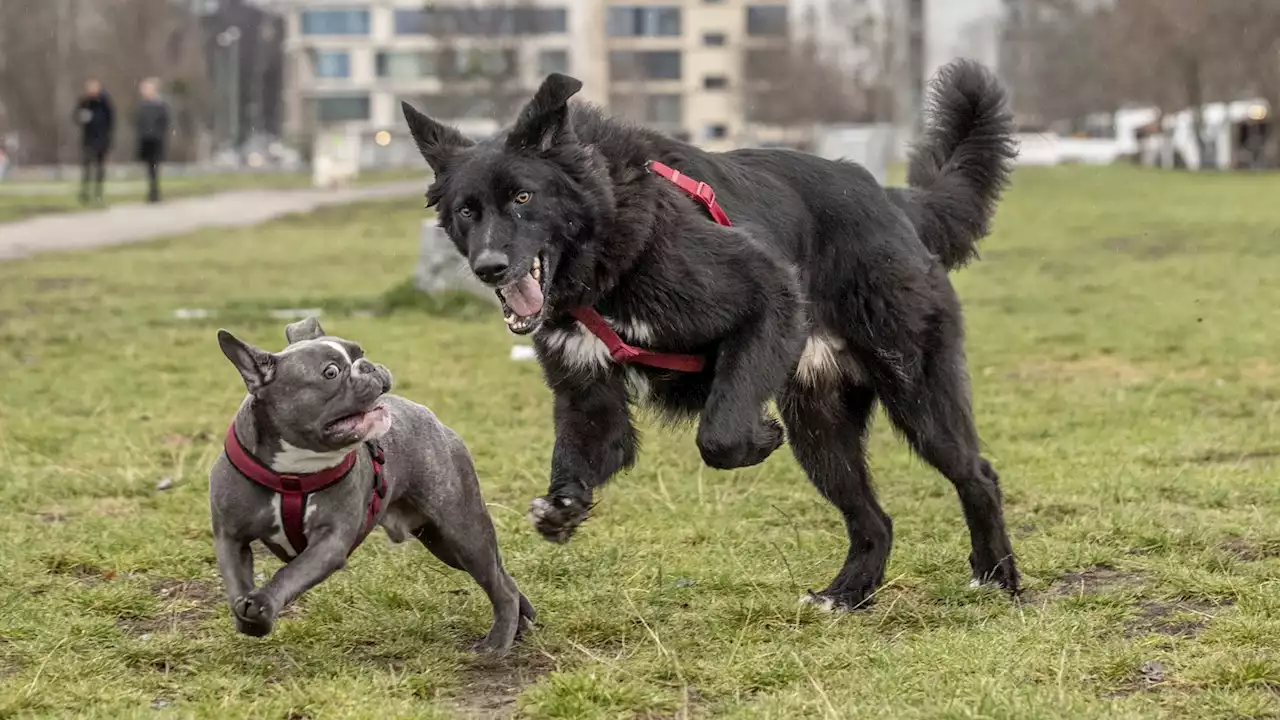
(961,163)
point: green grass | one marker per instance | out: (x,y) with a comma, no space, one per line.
(1122,346)
(60,197)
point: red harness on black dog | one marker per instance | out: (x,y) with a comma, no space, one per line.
(294,489)
(625,354)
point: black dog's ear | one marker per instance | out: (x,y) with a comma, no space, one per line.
(256,366)
(544,122)
(305,329)
(437,142)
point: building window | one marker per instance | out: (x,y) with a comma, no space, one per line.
(341,108)
(478,63)
(661,109)
(644,21)
(331,63)
(648,65)
(766,19)
(715,82)
(713,39)
(335,22)
(406,64)
(481,21)
(553,61)
(715,132)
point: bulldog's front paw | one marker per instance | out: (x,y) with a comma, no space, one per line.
(254,614)
(555,518)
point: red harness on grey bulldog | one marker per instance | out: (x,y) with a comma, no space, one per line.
(294,489)
(625,354)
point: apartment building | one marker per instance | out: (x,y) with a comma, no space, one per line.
(680,65)
(690,67)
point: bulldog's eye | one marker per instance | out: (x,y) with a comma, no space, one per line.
(523,197)
(331,371)
(464,212)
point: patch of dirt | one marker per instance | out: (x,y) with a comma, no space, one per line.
(186,603)
(490,685)
(1249,551)
(1158,618)
(1090,581)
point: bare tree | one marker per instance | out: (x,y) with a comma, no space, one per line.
(837,65)
(48,48)
(480,48)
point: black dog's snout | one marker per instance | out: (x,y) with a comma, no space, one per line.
(491,265)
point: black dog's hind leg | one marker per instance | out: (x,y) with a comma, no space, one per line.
(751,368)
(934,413)
(827,428)
(594,440)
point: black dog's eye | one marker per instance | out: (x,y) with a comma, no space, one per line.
(331,371)
(464,212)
(523,197)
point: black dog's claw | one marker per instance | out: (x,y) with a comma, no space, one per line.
(555,518)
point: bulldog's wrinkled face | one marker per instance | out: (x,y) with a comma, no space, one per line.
(320,393)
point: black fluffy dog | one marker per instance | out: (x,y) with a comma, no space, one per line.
(827,294)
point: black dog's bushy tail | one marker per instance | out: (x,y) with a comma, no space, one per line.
(962,161)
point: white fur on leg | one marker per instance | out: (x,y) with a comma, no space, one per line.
(820,602)
(539,509)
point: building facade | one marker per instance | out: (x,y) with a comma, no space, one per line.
(674,64)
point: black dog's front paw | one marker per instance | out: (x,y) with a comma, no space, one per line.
(728,451)
(555,518)
(254,614)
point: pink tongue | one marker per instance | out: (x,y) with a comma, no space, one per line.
(524,297)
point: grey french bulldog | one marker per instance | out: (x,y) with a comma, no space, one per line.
(317,454)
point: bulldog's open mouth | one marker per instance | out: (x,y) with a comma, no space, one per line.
(364,424)
(523,300)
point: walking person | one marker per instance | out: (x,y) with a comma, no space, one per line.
(153,129)
(96,117)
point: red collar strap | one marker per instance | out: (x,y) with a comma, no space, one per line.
(294,489)
(701,191)
(625,354)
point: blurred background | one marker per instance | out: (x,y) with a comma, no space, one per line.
(278,84)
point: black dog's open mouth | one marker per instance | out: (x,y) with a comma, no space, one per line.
(524,299)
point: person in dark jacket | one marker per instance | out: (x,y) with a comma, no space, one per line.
(153,129)
(96,118)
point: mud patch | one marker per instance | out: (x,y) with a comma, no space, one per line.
(1180,619)
(1248,551)
(185,602)
(490,685)
(1091,581)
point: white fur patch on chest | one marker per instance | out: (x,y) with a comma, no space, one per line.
(582,350)
(278,536)
(300,461)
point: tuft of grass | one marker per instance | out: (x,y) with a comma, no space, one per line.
(1126,385)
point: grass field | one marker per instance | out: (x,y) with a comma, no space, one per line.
(1127,382)
(59,197)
